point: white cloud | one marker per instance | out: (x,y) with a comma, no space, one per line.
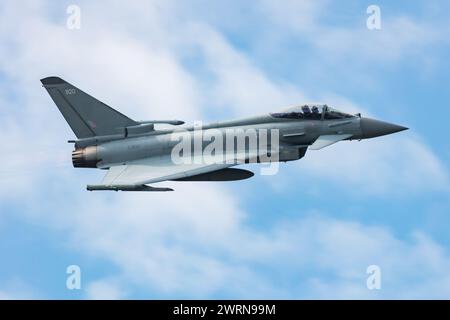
(239,86)
(311,21)
(157,242)
(314,257)
(399,37)
(300,16)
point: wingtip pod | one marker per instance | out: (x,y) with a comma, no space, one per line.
(52,81)
(102,187)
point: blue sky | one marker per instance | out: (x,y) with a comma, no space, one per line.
(308,232)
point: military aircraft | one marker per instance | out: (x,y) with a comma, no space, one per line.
(138,153)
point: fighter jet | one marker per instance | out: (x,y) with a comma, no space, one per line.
(137,154)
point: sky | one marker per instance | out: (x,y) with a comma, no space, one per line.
(308,232)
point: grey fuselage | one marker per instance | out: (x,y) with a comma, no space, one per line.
(295,135)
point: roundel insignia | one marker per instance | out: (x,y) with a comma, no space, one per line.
(92,124)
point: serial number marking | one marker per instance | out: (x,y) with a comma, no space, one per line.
(134,147)
(70,91)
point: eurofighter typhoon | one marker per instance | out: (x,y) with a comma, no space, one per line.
(137,154)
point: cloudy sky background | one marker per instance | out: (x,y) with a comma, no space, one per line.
(308,232)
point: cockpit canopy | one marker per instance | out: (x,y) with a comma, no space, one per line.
(311,112)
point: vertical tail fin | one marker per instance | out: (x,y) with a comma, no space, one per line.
(87,116)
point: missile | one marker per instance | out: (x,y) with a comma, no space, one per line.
(143,187)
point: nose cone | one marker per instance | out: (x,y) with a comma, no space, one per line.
(371,128)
